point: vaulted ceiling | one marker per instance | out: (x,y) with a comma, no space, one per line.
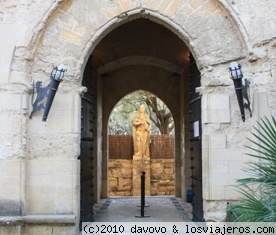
(140,37)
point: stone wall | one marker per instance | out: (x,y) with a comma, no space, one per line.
(162,177)
(120,177)
(120,167)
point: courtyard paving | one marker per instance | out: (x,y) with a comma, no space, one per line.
(161,209)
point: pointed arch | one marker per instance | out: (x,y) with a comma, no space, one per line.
(63,26)
(132,103)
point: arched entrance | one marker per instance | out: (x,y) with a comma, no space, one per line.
(123,167)
(196,27)
(141,54)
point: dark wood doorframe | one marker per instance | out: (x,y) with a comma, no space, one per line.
(196,141)
(87,153)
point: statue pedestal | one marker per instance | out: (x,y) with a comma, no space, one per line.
(140,164)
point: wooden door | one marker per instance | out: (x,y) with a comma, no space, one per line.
(87,154)
(196,141)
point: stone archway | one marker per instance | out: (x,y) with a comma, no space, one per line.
(64,35)
(130,72)
(122,170)
(192,22)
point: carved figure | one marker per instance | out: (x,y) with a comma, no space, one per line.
(141,127)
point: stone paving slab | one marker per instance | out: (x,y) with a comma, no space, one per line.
(124,209)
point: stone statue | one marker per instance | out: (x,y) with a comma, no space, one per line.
(141,127)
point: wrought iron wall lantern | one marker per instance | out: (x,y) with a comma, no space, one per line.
(48,92)
(241,90)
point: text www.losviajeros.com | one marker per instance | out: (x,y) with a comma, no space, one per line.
(188,228)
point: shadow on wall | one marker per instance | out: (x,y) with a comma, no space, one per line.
(120,167)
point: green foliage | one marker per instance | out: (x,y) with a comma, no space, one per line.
(121,118)
(259,190)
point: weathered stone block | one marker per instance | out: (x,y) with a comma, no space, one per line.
(116,173)
(112,193)
(113,183)
(127,165)
(155,165)
(10,168)
(170,188)
(168,165)
(235,167)
(172,177)
(226,154)
(126,173)
(52,146)
(215,210)
(11,229)
(153,191)
(223,179)
(42,166)
(120,193)
(217,192)
(215,108)
(9,207)
(164,182)
(161,188)
(124,184)
(217,141)
(219,167)
(161,192)
(157,172)
(231,193)
(11,102)
(12,188)
(168,171)
(12,146)
(9,34)
(33,229)
(165,177)
(127,193)
(62,193)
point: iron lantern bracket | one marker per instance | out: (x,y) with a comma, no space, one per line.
(242,91)
(48,92)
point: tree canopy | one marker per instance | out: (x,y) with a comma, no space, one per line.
(121,118)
